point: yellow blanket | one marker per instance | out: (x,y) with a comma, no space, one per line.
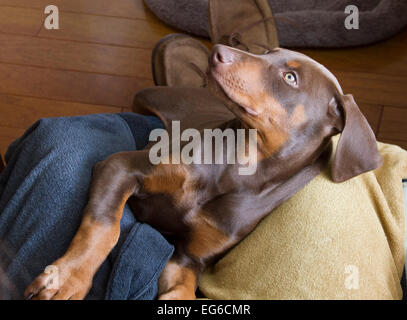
(329,241)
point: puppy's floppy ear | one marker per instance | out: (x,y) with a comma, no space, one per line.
(357,151)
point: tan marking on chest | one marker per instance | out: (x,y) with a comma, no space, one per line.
(174,180)
(166,179)
(206,239)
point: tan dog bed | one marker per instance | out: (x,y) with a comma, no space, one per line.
(330,241)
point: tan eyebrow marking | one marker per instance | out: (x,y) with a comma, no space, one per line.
(325,72)
(293,64)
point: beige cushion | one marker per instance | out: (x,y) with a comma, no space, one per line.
(329,241)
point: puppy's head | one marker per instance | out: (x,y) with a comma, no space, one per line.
(295,103)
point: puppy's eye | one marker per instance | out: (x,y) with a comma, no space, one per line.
(267,52)
(290,78)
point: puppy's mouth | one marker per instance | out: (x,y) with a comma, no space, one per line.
(232,88)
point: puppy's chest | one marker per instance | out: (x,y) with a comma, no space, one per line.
(172,197)
(159,211)
(167,196)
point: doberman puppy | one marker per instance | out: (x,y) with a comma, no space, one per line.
(295,104)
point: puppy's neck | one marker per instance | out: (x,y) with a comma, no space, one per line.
(270,142)
(277,156)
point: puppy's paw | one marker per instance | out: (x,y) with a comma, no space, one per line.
(59,283)
(178,293)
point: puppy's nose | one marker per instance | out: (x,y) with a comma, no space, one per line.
(222,55)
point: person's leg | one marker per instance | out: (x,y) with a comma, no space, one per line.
(44,188)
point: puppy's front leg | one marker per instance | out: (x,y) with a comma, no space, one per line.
(114,181)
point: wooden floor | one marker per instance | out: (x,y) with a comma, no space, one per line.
(101,56)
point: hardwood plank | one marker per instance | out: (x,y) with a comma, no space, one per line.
(374,88)
(394,124)
(22,112)
(20,20)
(378,59)
(75,56)
(108,30)
(372,112)
(134,9)
(7,136)
(69,85)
